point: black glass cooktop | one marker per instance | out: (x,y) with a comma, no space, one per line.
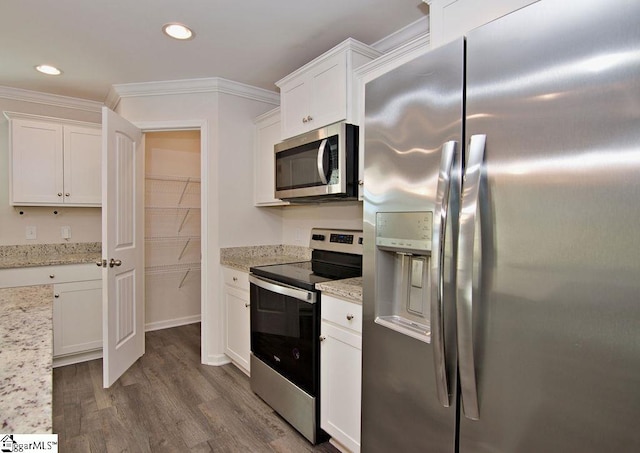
(296,274)
(306,274)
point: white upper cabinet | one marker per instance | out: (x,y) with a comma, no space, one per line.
(54,162)
(267,134)
(320,93)
(450,19)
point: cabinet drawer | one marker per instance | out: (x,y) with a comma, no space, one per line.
(233,277)
(43,275)
(343,313)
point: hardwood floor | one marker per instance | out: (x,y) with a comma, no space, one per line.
(168,402)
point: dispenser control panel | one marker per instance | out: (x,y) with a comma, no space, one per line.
(404,231)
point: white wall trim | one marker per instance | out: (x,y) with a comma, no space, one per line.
(421,41)
(77,358)
(55,100)
(406,34)
(217,360)
(158,325)
(187,86)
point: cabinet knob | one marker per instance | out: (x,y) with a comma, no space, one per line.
(56,295)
(59,194)
(360,182)
(247,305)
(309,118)
(52,276)
(349,317)
(67,194)
(322,338)
(305,120)
(235,279)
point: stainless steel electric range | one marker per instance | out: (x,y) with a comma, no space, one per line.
(285,326)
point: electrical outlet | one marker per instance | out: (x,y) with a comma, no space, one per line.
(31,232)
(65,232)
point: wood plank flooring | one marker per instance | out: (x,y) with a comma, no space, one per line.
(168,402)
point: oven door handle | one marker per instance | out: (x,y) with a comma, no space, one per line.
(286,290)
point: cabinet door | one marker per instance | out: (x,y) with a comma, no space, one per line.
(237,326)
(340,384)
(77,317)
(36,162)
(267,134)
(328,92)
(295,98)
(82,165)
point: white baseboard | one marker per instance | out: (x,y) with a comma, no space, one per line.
(77,358)
(158,325)
(217,360)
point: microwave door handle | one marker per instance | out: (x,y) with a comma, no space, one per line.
(321,171)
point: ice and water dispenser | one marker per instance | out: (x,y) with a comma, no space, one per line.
(403,258)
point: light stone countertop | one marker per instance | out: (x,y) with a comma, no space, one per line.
(243,258)
(349,289)
(26,355)
(14,256)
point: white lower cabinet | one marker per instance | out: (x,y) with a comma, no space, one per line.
(237,317)
(77,317)
(340,371)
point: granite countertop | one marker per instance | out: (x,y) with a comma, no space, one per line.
(243,258)
(26,355)
(349,289)
(12,256)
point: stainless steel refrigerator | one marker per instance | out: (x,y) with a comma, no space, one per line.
(501,270)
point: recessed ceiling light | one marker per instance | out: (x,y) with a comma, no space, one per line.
(48,69)
(178,31)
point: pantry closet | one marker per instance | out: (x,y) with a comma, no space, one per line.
(172,228)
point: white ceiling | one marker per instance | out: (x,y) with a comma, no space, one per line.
(99,43)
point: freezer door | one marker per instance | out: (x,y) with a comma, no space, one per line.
(413,143)
(556,289)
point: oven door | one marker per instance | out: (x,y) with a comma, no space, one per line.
(284,331)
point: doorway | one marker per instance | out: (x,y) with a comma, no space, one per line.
(172,228)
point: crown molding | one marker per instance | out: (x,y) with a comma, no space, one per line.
(189,86)
(348,44)
(55,100)
(406,34)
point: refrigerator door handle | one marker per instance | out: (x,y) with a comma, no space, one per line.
(321,171)
(437,262)
(464,296)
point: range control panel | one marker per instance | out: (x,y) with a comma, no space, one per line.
(345,241)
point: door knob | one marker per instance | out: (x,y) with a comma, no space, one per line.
(113,262)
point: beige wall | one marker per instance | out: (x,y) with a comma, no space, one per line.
(85,223)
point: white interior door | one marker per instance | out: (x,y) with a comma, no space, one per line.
(122,245)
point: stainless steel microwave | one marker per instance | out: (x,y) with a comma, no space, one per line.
(319,165)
